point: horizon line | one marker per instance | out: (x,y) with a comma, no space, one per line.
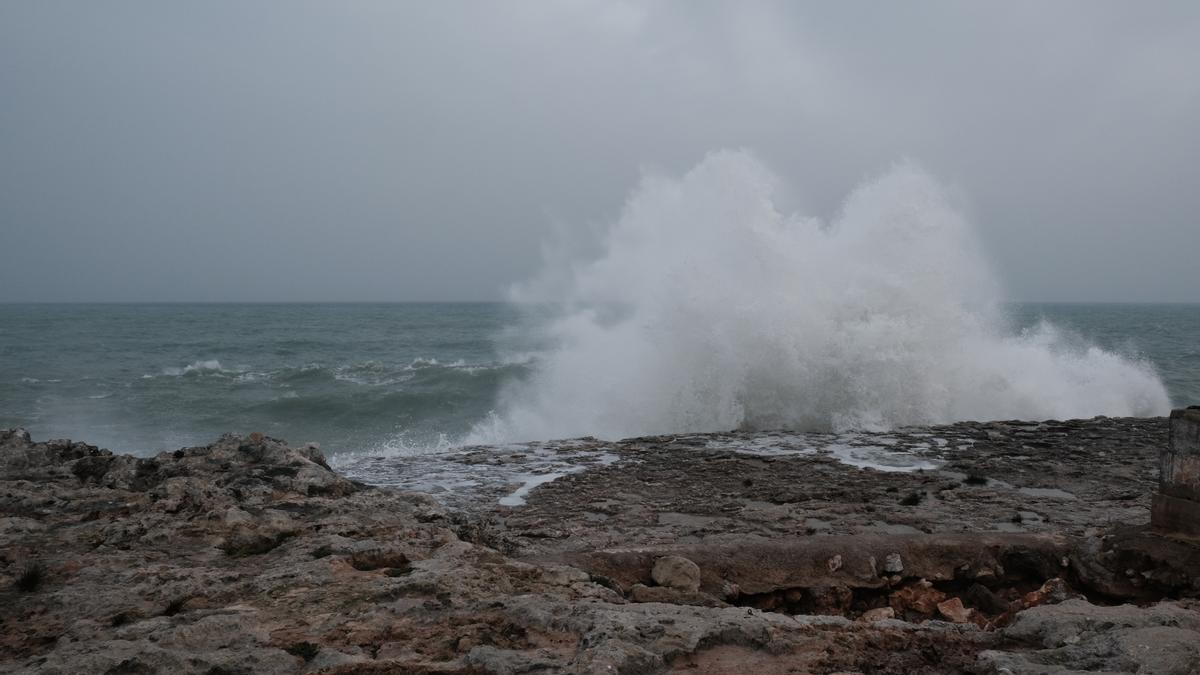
(494,302)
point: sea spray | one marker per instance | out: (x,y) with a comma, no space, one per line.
(707,309)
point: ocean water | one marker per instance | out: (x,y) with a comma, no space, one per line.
(379,378)
(703,307)
(144,378)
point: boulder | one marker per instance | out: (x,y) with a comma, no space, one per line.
(676,572)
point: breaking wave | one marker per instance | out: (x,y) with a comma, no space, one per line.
(708,309)
(196,368)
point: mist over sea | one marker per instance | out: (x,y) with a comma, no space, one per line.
(365,377)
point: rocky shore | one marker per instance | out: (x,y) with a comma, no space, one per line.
(1006,547)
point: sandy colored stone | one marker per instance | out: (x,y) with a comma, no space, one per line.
(676,572)
(878,614)
(954,610)
(921,598)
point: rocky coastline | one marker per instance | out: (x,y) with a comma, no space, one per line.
(1004,547)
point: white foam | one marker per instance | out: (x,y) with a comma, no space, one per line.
(530,481)
(460,473)
(201,366)
(373,374)
(881,458)
(422,362)
(707,309)
(875,451)
(396,447)
(251,376)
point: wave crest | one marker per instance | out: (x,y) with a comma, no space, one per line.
(196,368)
(708,309)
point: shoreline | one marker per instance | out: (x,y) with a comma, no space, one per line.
(1026,549)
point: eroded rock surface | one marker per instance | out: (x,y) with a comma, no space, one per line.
(1017,547)
(1074,478)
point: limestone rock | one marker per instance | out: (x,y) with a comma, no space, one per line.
(248,555)
(878,614)
(954,610)
(921,598)
(1163,638)
(676,572)
(1054,590)
(666,594)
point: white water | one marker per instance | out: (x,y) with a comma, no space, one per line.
(707,309)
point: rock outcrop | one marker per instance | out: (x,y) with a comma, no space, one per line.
(250,556)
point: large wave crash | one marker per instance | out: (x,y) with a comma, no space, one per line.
(709,309)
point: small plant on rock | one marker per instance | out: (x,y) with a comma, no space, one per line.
(305,650)
(175,606)
(31,577)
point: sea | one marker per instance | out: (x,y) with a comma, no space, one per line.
(362,379)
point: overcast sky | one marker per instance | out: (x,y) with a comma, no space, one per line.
(421,151)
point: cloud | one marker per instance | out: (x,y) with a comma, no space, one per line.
(231,151)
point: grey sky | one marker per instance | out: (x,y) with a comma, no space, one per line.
(420,151)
